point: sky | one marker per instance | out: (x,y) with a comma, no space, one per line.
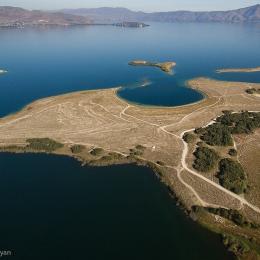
(143,5)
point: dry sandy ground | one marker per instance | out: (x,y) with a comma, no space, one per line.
(100,119)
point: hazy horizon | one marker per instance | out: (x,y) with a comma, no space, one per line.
(136,5)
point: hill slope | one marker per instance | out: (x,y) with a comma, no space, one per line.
(106,14)
(17,17)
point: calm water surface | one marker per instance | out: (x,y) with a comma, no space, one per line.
(45,62)
(52,208)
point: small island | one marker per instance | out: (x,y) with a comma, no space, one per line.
(3,71)
(164,66)
(131,24)
(238,70)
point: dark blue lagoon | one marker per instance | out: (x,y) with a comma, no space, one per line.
(52,208)
(45,62)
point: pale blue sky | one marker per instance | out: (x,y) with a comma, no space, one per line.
(145,5)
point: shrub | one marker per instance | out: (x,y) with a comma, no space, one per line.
(218,134)
(140,147)
(206,159)
(160,163)
(230,214)
(232,176)
(235,245)
(200,144)
(232,152)
(241,123)
(43,144)
(97,152)
(189,138)
(200,131)
(252,91)
(77,148)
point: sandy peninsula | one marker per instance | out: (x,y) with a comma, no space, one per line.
(164,66)
(99,128)
(239,70)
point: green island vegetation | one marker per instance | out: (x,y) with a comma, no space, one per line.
(232,152)
(12,148)
(252,91)
(232,176)
(220,133)
(43,144)
(238,245)
(97,151)
(137,151)
(112,157)
(235,245)
(35,144)
(205,159)
(77,148)
(233,215)
(240,123)
(189,137)
(107,159)
(217,135)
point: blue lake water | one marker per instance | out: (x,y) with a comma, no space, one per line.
(44,62)
(52,208)
(55,209)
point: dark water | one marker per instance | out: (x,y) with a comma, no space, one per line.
(45,62)
(52,208)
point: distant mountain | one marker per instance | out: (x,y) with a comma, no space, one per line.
(18,17)
(107,15)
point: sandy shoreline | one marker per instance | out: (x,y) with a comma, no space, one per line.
(238,70)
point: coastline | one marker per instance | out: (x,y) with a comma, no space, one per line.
(186,84)
(238,70)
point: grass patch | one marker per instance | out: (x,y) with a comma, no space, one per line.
(97,152)
(43,144)
(233,215)
(77,148)
(235,245)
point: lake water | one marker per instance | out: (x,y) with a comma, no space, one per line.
(54,209)
(45,62)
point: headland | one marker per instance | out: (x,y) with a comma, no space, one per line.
(239,70)
(164,66)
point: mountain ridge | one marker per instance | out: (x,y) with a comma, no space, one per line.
(18,17)
(119,14)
